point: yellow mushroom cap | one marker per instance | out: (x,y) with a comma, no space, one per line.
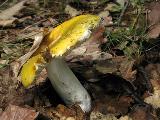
(61,39)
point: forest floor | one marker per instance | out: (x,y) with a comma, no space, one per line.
(121,70)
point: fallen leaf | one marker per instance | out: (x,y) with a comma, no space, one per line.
(3,63)
(30,33)
(107,19)
(64,113)
(112,105)
(7,50)
(154,31)
(104,14)
(41,77)
(125,118)
(112,7)
(50,22)
(154,19)
(153,15)
(99,116)
(94,3)
(13,112)
(7,23)
(10,12)
(72,11)
(153,71)
(142,113)
(107,66)
(126,69)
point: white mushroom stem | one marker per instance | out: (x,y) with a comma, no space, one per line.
(67,85)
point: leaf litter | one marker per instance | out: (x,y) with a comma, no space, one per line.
(113,97)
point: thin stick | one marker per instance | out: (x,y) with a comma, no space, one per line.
(122,12)
(3,3)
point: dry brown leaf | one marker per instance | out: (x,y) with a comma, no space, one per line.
(41,77)
(7,23)
(142,113)
(64,113)
(107,66)
(154,19)
(125,118)
(112,105)
(100,116)
(30,32)
(153,71)
(6,16)
(7,50)
(72,11)
(11,91)
(107,20)
(3,62)
(13,112)
(126,69)
(10,12)
(154,31)
(95,115)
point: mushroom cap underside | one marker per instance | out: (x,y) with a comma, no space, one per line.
(60,40)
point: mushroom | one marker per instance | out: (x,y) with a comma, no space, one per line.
(54,46)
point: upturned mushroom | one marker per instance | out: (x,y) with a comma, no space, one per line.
(54,46)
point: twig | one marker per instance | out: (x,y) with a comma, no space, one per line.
(3,3)
(122,12)
(137,18)
(116,25)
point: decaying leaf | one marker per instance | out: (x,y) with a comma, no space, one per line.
(142,113)
(154,99)
(10,12)
(112,105)
(3,63)
(7,18)
(154,19)
(106,66)
(7,23)
(154,31)
(113,7)
(104,14)
(125,118)
(72,11)
(13,112)
(126,69)
(63,113)
(100,116)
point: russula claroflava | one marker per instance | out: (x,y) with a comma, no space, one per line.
(54,46)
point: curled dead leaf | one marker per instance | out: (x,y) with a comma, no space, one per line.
(13,112)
